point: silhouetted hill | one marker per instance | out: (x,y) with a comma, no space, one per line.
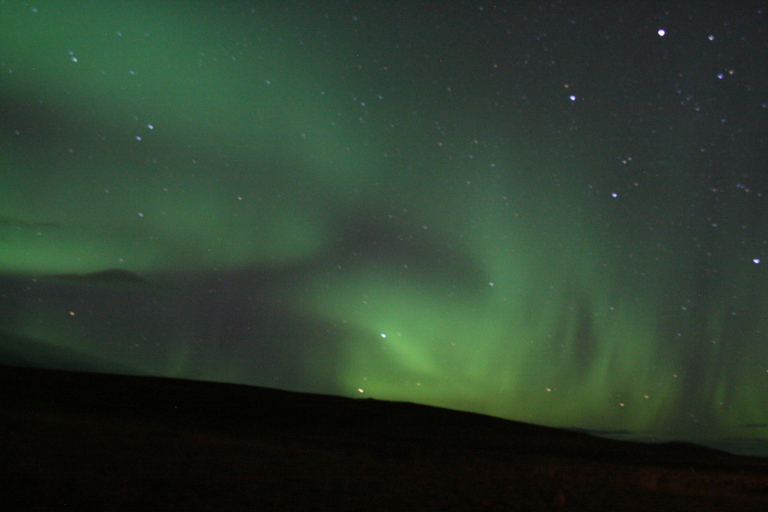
(89,441)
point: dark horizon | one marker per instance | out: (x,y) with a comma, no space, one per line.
(96,441)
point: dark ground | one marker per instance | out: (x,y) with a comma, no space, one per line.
(81,441)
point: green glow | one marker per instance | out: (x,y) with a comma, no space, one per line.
(166,169)
(570,357)
(336,214)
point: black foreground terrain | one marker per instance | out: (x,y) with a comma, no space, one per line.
(91,442)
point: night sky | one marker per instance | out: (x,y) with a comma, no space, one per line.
(552,212)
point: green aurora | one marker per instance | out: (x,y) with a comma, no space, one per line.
(488,210)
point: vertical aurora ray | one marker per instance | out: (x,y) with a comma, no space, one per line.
(537,333)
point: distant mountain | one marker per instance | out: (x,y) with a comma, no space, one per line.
(12,222)
(104,277)
(32,353)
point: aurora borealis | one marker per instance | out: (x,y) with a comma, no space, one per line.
(545,212)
